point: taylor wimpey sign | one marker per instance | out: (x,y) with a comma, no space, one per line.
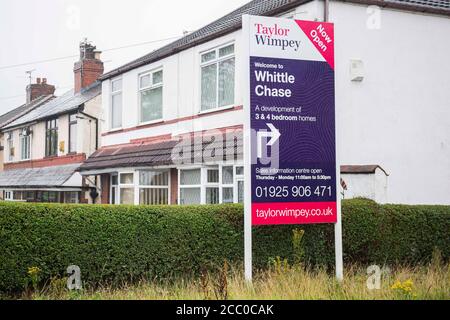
(292,115)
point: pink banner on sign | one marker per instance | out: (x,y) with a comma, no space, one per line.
(293,213)
(321,35)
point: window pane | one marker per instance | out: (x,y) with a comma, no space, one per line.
(226,50)
(114,180)
(126,195)
(71,197)
(227,175)
(209,87)
(190,177)
(152,196)
(158,77)
(114,195)
(145,81)
(153,178)
(227,195)
(239,171)
(190,196)
(126,178)
(226,82)
(209,56)
(212,195)
(116,85)
(116,111)
(151,104)
(73,137)
(213,176)
(240,191)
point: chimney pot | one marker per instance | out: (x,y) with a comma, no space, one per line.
(44,80)
(38,80)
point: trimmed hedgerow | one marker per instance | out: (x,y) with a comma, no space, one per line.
(124,243)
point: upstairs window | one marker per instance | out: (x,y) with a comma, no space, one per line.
(73,133)
(51,138)
(116,104)
(25,145)
(150,96)
(217,78)
(10,142)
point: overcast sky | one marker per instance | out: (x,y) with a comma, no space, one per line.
(47,29)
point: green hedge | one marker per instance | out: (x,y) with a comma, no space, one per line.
(122,243)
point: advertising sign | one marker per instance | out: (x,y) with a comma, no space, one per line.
(291,135)
(292,115)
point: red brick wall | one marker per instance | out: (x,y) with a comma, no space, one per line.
(86,72)
(104,182)
(36,90)
(46,162)
(173,186)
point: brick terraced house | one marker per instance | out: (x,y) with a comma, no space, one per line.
(173,131)
(49,137)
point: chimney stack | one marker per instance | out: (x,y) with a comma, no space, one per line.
(38,89)
(89,68)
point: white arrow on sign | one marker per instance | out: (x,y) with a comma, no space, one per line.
(274,134)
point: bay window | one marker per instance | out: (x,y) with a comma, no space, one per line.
(151,96)
(190,186)
(145,187)
(217,78)
(116,104)
(153,187)
(126,188)
(211,185)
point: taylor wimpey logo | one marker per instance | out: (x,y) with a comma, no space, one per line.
(275,36)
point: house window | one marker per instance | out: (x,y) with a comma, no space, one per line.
(150,95)
(116,104)
(73,133)
(217,78)
(10,142)
(9,195)
(190,186)
(114,189)
(71,197)
(51,137)
(153,187)
(25,145)
(126,188)
(227,184)
(211,185)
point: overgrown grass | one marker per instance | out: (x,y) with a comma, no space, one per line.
(281,282)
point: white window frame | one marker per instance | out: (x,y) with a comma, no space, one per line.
(231,185)
(191,186)
(168,187)
(9,195)
(111,187)
(112,94)
(205,184)
(217,61)
(150,87)
(10,144)
(21,138)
